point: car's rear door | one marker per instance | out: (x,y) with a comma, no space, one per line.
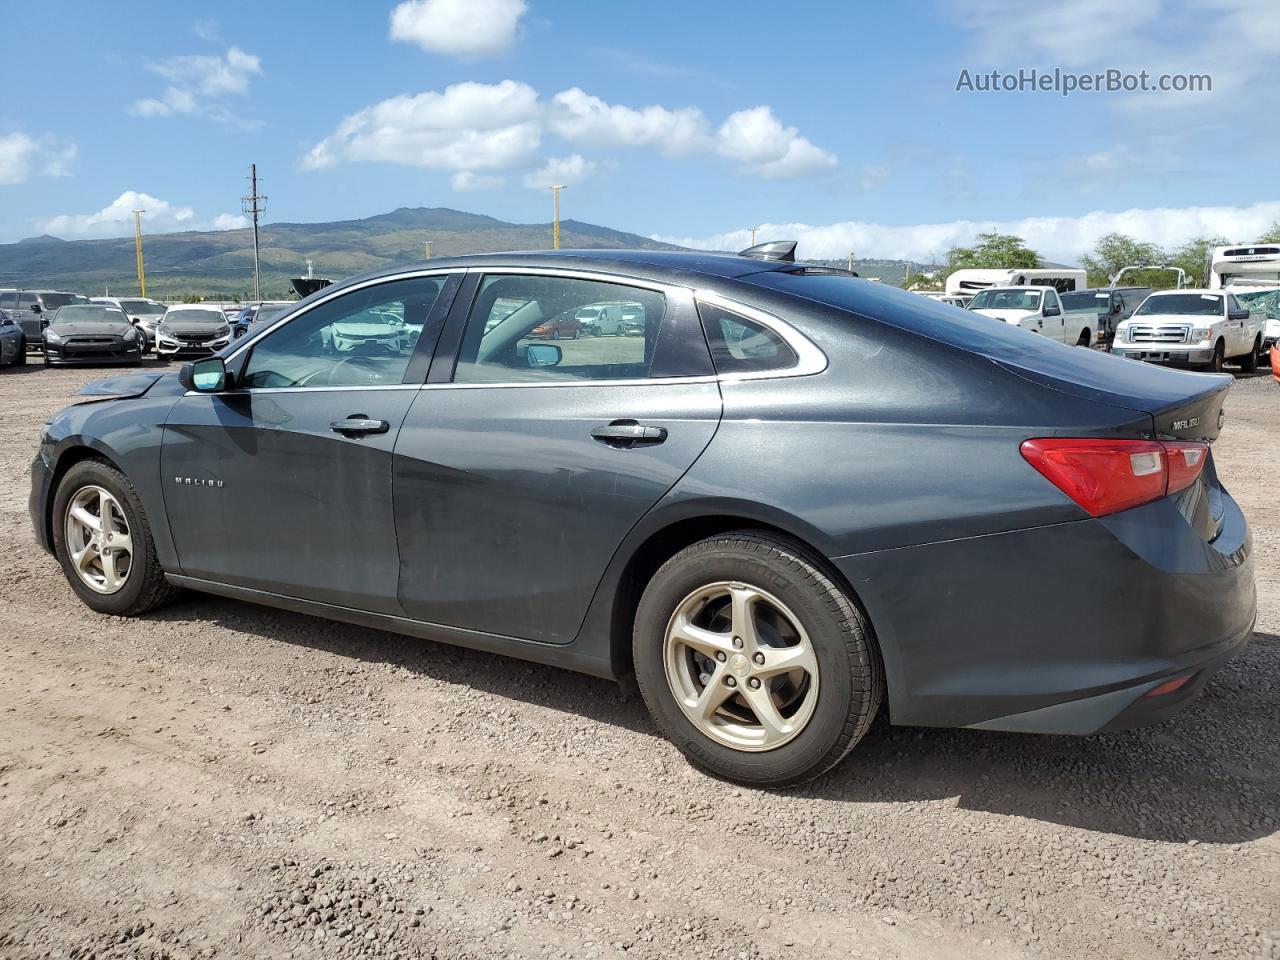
(282,483)
(517,477)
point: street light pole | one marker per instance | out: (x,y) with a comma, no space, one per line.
(555,221)
(851,261)
(137,249)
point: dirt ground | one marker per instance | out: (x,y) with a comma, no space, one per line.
(223,780)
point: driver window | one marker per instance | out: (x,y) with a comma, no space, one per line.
(362,338)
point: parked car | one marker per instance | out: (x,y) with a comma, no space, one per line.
(192,330)
(564,327)
(1202,328)
(370,332)
(1265,300)
(1037,309)
(92,333)
(762,510)
(32,309)
(243,319)
(144,313)
(269,312)
(1110,305)
(13,344)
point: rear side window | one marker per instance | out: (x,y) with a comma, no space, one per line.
(8,301)
(741,345)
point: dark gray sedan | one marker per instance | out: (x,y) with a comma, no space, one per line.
(791,496)
(92,333)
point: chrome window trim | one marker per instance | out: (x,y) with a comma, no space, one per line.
(809,358)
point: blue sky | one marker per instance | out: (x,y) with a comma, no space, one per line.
(835,122)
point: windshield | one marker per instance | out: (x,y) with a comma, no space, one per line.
(195,316)
(142,307)
(1181,304)
(88,313)
(1263,301)
(52,301)
(1006,300)
(1085,301)
(267,314)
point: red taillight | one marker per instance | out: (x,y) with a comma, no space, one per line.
(1169,686)
(1105,476)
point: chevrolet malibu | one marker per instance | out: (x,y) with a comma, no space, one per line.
(793,496)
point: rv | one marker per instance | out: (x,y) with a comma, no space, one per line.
(965,283)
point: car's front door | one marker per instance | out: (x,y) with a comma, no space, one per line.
(282,482)
(32,321)
(519,473)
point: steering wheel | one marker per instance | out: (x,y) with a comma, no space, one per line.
(369,371)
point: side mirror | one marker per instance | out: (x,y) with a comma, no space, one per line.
(542,355)
(1052,311)
(206,375)
(1238,315)
(36,308)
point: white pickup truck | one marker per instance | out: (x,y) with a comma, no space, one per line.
(1038,309)
(1201,328)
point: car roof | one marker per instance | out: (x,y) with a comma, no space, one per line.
(195,306)
(1203,290)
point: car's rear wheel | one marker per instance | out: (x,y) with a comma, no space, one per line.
(753,661)
(103,542)
(1085,339)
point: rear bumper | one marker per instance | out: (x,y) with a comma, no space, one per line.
(1061,628)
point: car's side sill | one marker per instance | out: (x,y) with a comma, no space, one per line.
(567,656)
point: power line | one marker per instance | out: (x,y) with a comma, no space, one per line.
(253,206)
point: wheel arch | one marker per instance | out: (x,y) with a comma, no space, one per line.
(652,544)
(70,453)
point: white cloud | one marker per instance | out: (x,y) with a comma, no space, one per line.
(466,181)
(758,140)
(576,115)
(199,85)
(1060,239)
(563,171)
(229,221)
(22,155)
(466,29)
(470,126)
(872,175)
(116,219)
(1070,33)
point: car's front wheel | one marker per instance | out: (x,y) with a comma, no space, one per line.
(754,662)
(103,542)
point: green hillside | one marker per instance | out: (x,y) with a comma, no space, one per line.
(220,264)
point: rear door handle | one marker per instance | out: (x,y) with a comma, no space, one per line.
(357,425)
(629,433)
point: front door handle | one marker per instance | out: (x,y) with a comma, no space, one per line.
(357,425)
(625,434)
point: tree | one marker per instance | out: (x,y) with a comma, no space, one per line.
(1116,250)
(1272,234)
(1193,257)
(994,251)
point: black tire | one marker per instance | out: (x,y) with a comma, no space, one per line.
(851,676)
(1219,357)
(20,358)
(145,588)
(1084,339)
(1249,362)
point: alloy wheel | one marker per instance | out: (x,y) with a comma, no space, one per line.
(741,666)
(98,539)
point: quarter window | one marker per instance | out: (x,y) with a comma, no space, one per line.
(548,328)
(740,345)
(362,338)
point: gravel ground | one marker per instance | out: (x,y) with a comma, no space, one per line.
(223,780)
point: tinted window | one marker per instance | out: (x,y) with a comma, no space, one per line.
(531,328)
(1006,300)
(193,315)
(8,300)
(739,345)
(142,307)
(52,301)
(362,338)
(89,313)
(26,299)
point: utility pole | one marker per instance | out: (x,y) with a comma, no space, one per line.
(851,261)
(253,206)
(426,249)
(555,222)
(137,249)
(753,235)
